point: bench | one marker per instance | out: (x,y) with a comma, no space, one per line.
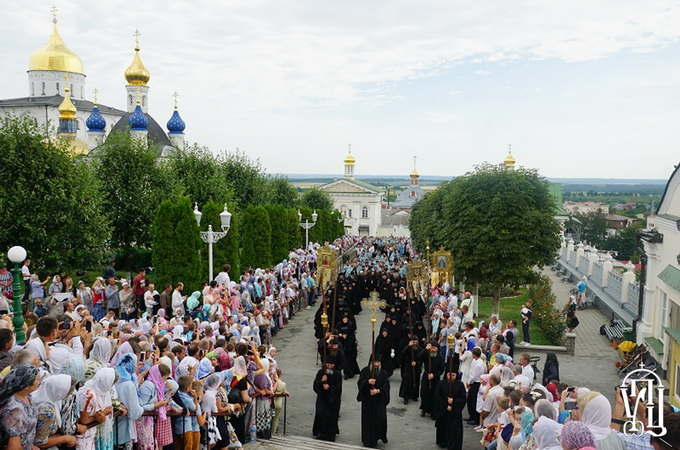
(614,330)
(590,300)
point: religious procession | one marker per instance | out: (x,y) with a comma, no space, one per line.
(104,367)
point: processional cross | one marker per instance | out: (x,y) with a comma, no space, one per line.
(374,303)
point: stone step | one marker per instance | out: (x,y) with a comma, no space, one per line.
(298,442)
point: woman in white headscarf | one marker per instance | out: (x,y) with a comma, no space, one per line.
(94,399)
(546,433)
(596,413)
(47,399)
(100,354)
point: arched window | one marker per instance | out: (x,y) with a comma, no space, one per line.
(130,98)
(413,193)
(57,88)
(43,88)
(32,89)
(364,212)
(144,101)
(72,92)
(81,92)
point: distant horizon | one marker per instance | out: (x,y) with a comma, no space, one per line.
(646,181)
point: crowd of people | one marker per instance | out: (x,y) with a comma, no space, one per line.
(119,364)
(454,366)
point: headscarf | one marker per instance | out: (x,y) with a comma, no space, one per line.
(101,351)
(122,350)
(192,301)
(547,434)
(526,422)
(157,379)
(75,367)
(185,364)
(53,390)
(576,435)
(19,378)
(205,368)
(239,368)
(177,332)
(544,408)
(553,391)
(173,387)
(101,385)
(597,414)
(210,386)
(502,358)
(126,366)
(166,361)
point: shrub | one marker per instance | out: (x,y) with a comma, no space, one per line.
(548,319)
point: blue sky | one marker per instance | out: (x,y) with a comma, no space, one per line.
(579,88)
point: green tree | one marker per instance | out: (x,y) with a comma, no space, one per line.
(278,218)
(624,243)
(283,193)
(163,254)
(246,178)
(50,200)
(316,199)
(133,185)
(593,227)
(201,174)
(499,224)
(187,246)
(293,229)
(247,238)
(426,220)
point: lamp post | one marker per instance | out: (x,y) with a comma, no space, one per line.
(306,225)
(210,237)
(17,255)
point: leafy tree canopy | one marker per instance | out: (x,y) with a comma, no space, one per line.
(316,199)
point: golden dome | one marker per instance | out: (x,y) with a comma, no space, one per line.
(67,109)
(349,159)
(55,55)
(137,74)
(509,160)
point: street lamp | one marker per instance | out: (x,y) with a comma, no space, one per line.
(306,225)
(17,255)
(211,237)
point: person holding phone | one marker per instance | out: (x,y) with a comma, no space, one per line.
(96,410)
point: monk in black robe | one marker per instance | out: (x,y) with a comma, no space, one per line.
(411,367)
(328,388)
(449,402)
(384,349)
(433,367)
(348,341)
(374,395)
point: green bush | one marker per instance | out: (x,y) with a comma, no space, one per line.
(133,258)
(548,319)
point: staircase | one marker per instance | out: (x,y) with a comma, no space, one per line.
(298,443)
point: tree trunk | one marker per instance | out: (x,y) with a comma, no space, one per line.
(495,309)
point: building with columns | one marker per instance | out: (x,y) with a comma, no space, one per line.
(359,202)
(57,97)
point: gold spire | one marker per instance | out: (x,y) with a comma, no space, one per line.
(509,160)
(136,74)
(55,55)
(415,172)
(67,111)
(349,159)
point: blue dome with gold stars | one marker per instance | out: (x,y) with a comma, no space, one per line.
(138,120)
(176,125)
(95,122)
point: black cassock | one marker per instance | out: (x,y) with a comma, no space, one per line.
(327,404)
(435,365)
(410,375)
(449,423)
(373,407)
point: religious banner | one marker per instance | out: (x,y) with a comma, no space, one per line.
(441,264)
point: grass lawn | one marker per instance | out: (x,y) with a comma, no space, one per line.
(509,309)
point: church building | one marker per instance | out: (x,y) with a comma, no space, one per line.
(58,98)
(359,202)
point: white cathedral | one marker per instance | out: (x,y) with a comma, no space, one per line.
(57,96)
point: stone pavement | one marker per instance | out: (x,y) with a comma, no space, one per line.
(592,366)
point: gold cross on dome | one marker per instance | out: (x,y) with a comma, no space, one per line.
(510,148)
(67,77)
(54,13)
(350,147)
(95,92)
(136,34)
(175,95)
